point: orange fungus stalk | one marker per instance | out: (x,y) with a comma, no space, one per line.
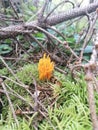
(45,67)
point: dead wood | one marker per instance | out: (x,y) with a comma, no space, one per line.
(23,28)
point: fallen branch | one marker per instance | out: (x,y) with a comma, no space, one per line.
(15,30)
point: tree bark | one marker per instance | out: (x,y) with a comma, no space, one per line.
(73,13)
(91,1)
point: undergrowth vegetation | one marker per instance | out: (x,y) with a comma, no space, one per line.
(69,111)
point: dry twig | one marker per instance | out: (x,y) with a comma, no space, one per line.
(88,36)
(10,103)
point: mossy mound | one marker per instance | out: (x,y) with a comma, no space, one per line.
(25,75)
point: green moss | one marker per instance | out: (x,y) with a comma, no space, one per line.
(4,72)
(25,75)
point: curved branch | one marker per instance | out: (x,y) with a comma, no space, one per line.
(73,13)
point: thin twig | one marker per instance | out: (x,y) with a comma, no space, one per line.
(14,93)
(10,70)
(33,38)
(57,7)
(60,70)
(22,85)
(13,7)
(54,57)
(36,94)
(88,36)
(41,13)
(54,29)
(59,41)
(10,103)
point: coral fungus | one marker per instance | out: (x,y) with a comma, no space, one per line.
(45,67)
